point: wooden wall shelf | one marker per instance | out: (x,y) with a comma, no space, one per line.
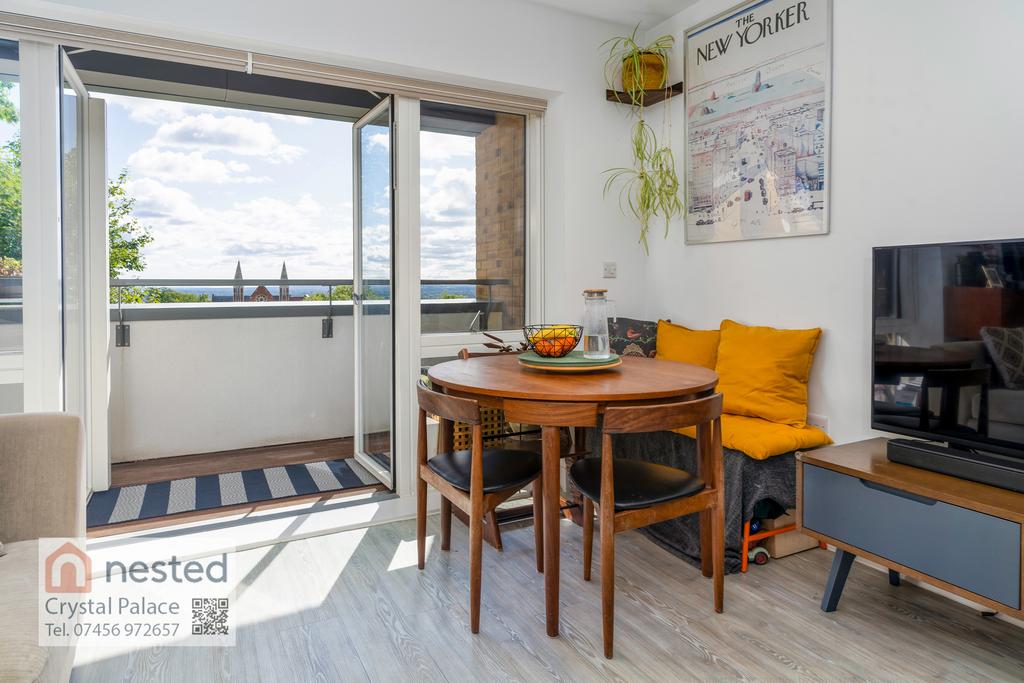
(650,96)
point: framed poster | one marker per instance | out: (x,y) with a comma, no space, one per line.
(757,122)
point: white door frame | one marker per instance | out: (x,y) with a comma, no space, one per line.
(407,292)
(96,290)
(42,329)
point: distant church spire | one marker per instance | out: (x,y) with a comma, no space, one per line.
(238,291)
(283,291)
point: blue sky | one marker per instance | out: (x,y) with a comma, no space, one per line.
(218,185)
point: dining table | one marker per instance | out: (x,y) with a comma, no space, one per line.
(493,379)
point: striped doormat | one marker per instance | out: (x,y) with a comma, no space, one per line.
(143,501)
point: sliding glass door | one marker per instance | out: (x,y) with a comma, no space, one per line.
(373,289)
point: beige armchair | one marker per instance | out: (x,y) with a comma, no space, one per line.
(42,494)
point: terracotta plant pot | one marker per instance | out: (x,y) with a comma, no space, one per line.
(652,73)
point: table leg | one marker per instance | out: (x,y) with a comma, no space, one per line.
(837,579)
(552,513)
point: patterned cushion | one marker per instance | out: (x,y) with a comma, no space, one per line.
(1006,346)
(629,337)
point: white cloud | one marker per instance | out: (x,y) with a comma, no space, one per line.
(192,167)
(151,111)
(440,147)
(235,134)
(191,241)
(288,118)
(448,221)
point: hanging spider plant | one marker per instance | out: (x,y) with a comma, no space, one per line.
(651,187)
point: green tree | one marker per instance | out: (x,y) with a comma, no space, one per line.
(162,295)
(342,293)
(127,237)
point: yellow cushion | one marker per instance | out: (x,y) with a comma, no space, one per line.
(763,372)
(761,439)
(683,345)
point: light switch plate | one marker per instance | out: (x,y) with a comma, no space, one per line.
(819,421)
(610,269)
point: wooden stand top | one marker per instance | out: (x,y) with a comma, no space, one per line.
(867,460)
(636,380)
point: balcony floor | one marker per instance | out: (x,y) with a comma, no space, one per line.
(224,462)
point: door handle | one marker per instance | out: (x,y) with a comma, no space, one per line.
(897,492)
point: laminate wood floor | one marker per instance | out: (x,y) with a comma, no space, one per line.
(352,606)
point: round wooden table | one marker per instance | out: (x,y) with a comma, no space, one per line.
(638,381)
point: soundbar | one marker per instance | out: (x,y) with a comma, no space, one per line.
(986,468)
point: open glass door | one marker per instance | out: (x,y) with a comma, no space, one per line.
(73,196)
(84,266)
(373,288)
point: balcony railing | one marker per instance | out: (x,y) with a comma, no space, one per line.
(483,314)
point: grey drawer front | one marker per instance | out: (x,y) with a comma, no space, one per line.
(975,551)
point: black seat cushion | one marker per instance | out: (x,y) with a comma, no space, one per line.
(503,468)
(638,484)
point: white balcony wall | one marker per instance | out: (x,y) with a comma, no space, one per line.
(196,386)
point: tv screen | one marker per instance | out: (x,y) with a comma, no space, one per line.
(948,353)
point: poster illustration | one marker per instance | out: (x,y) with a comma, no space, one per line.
(757,122)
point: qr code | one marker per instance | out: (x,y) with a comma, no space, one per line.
(209,616)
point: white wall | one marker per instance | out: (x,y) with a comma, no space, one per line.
(499,44)
(196,386)
(926,147)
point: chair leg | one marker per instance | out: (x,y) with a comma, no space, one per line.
(718,551)
(421,522)
(607,581)
(705,543)
(588,536)
(476,539)
(446,524)
(538,521)
(493,530)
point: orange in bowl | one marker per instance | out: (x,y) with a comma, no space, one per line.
(553,341)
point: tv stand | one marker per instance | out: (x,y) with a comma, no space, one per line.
(986,468)
(959,535)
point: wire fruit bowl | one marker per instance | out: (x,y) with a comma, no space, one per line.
(553,341)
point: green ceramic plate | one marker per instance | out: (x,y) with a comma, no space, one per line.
(573,359)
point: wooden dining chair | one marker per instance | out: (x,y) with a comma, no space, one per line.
(492,520)
(557,416)
(630,494)
(475,481)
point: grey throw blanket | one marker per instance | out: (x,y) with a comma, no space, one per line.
(747,482)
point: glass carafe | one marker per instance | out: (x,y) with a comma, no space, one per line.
(596,311)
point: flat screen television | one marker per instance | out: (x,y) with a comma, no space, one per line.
(948,352)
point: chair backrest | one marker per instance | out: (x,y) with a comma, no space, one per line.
(551,413)
(464,410)
(656,418)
